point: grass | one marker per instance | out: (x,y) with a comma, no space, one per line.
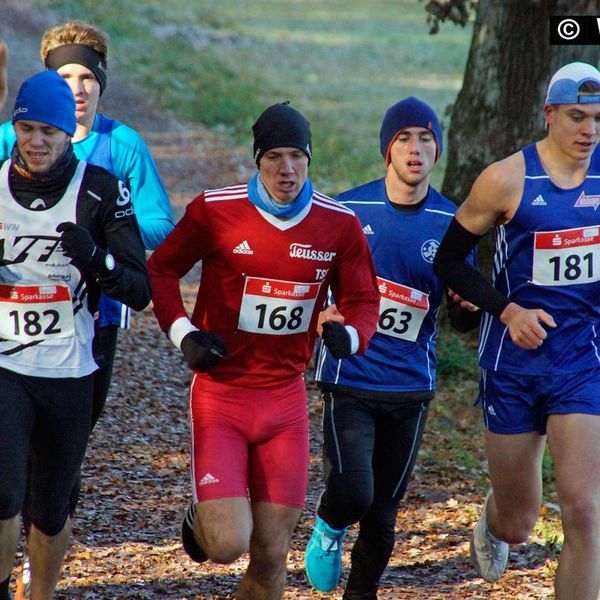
(457,357)
(340,62)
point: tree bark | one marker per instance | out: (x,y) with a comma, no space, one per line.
(500,106)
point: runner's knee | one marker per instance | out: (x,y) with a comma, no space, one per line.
(580,512)
(50,522)
(349,497)
(10,502)
(225,548)
(270,557)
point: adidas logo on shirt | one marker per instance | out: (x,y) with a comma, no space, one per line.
(539,201)
(208,479)
(491,410)
(368,230)
(243,248)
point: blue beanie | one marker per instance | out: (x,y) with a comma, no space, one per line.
(46,97)
(410,112)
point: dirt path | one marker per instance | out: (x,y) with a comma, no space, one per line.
(126,535)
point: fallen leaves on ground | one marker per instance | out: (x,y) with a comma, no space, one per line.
(136,485)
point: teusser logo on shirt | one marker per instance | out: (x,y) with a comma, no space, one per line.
(306,252)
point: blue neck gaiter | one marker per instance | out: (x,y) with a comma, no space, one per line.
(260,197)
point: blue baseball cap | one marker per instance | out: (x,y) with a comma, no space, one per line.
(410,112)
(47,98)
(566,82)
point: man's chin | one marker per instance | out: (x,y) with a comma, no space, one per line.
(37,170)
(284,199)
(286,196)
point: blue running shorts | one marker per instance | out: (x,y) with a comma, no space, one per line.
(517,403)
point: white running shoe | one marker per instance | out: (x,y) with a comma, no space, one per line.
(489,555)
(23,591)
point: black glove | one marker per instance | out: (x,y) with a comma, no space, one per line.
(78,245)
(202,349)
(337,339)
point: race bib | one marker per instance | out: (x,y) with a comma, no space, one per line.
(401,310)
(277,307)
(30,313)
(567,257)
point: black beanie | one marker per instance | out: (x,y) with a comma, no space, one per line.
(281,126)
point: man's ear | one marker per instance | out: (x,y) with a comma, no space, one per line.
(548,115)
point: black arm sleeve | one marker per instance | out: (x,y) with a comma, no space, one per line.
(451,267)
(114,227)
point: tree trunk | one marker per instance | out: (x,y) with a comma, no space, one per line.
(500,106)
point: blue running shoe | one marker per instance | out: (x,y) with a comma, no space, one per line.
(323,556)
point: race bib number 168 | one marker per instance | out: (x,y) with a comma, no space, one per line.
(274,307)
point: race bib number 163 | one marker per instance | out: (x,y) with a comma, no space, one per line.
(402,310)
(277,307)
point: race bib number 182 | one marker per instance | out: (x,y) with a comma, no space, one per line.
(31,313)
(277,307)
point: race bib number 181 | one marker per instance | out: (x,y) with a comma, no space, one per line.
(31,313)
(567,257)
(277,307)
